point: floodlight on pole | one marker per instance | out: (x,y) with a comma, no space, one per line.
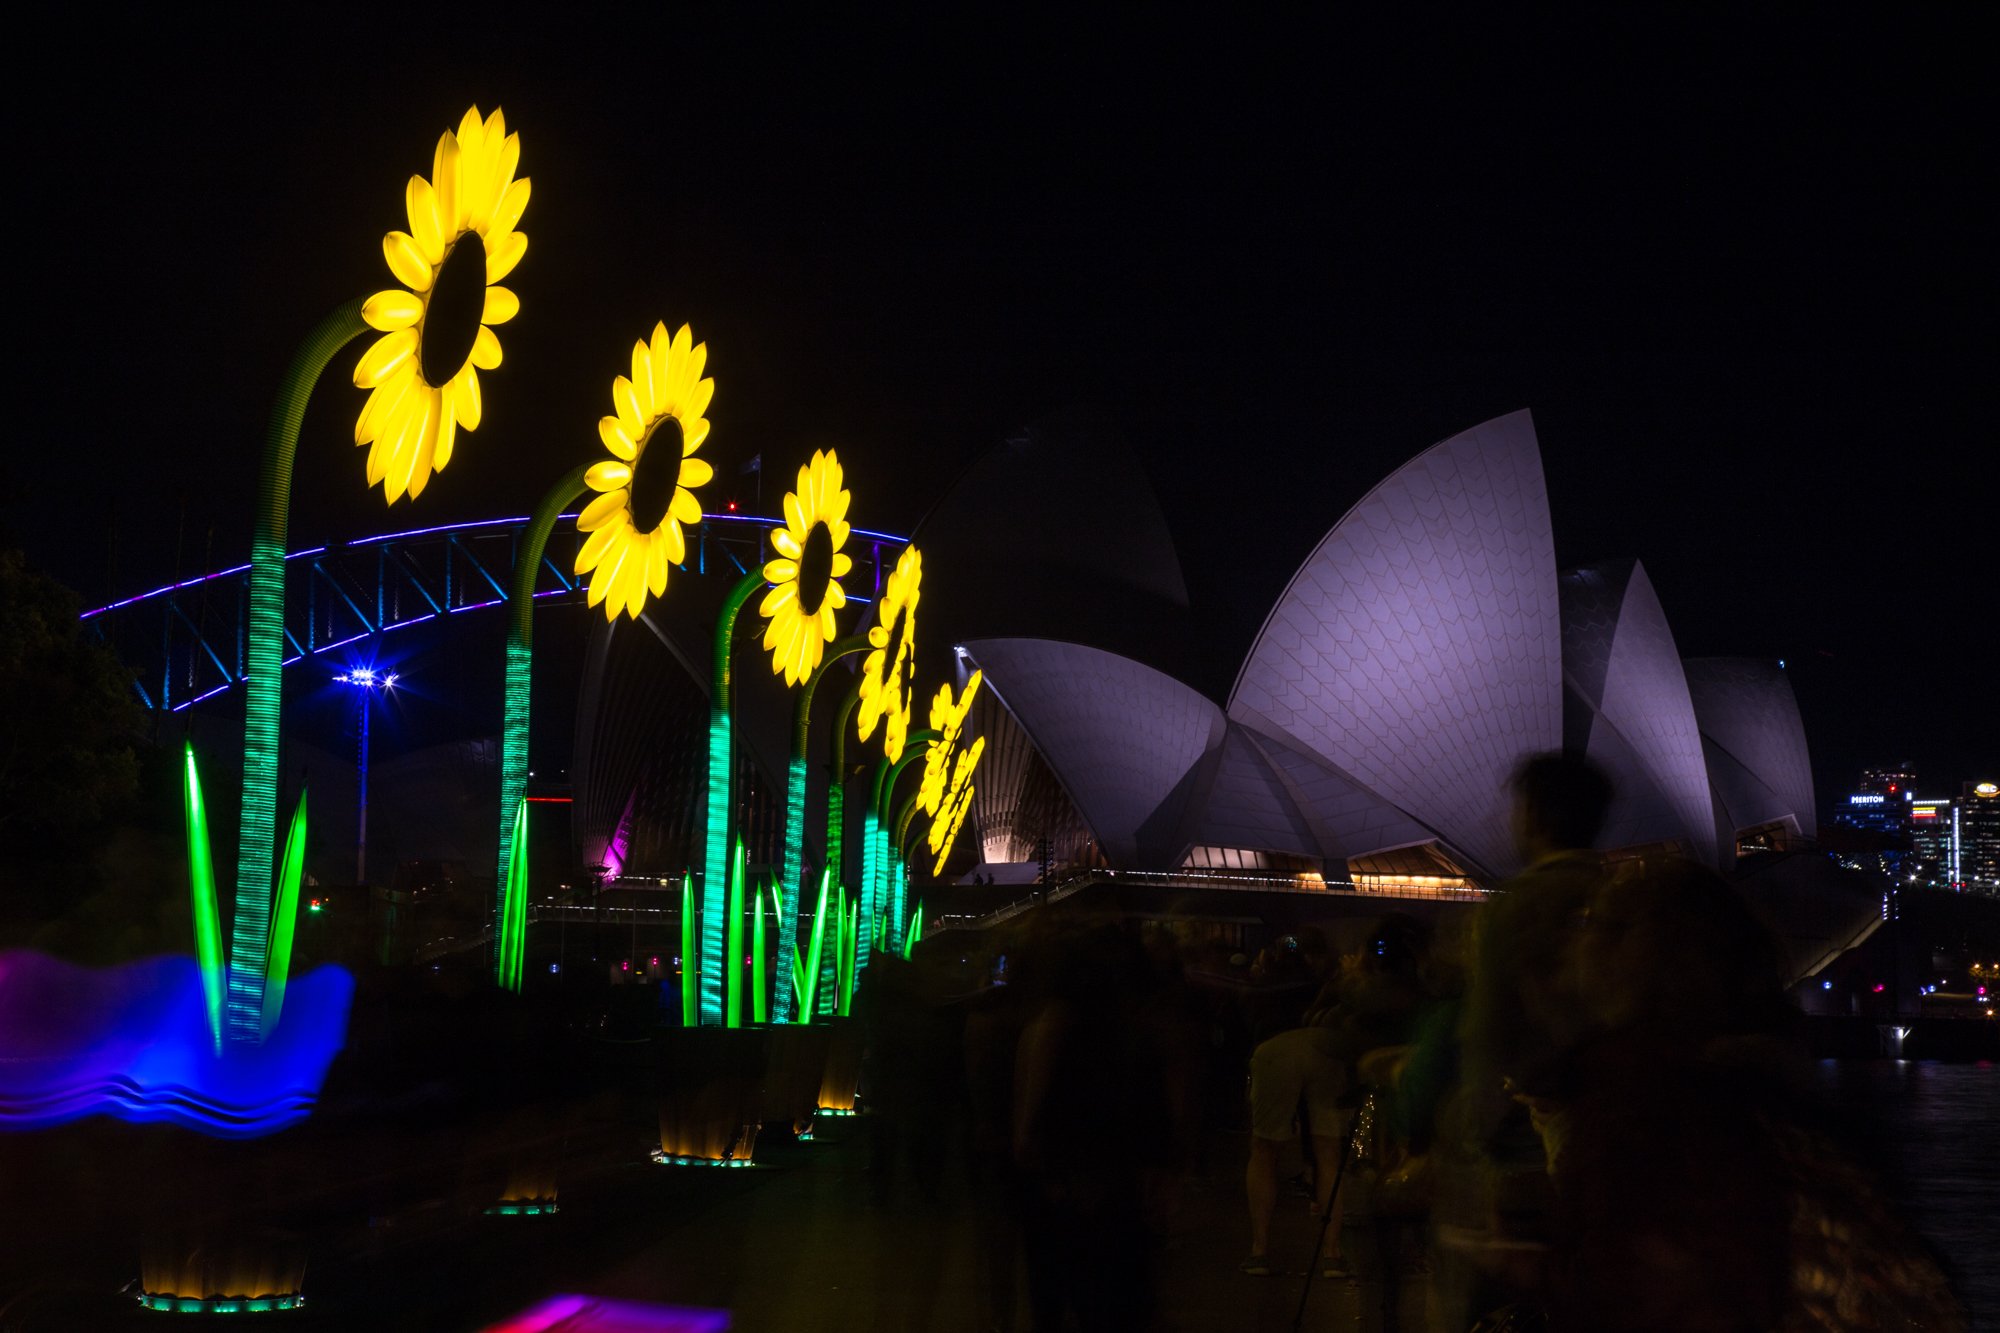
(368,681)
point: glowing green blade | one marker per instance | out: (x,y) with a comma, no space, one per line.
(284,919)
(201,887)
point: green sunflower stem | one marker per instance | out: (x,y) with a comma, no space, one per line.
(836,820)
(715,851)
(250,928)
(510,949)
(883,901)
(795,811)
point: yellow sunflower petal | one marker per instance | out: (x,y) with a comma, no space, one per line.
(407,262)
(626,400)
(842,565)
(420,201)
(659,561)
(795,515)
(691,368)
(780,571)
(501,306)
(826,622)
(684,507)
(693,433)
(839,531)
(378,459)
(594,547)
(380,361)
(836,597)
(612,431)
(486,349)
(642,382)
(501,260)
(391,310)
(783,542)
(695,472)
(836,509)
(508,213)
(607,476)
(675,542)
(447,434)
(659,350)
(698,398)
(604,578)
(382,401)
(599,511)
(509,163)
(444,181)
(468,406)
(632,578)
(778,599)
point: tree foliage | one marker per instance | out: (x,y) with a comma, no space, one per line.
(69,724)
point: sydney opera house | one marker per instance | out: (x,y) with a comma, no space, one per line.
(1426,644)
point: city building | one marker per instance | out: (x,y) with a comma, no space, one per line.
(1979,837)
(1934,844)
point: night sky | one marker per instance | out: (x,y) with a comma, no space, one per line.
(1742,274)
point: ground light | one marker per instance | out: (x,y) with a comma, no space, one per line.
(221,1304)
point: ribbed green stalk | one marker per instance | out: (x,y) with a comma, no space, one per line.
(507,961)
(790,888)
(250,928)
(721,760)
(881,894)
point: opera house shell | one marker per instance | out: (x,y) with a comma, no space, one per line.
(1427,644)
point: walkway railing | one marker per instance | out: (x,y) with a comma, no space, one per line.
(1311,886)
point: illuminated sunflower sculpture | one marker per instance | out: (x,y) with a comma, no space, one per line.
(422,374)
(646,491)
(948,721)
(888,674)
(805,578)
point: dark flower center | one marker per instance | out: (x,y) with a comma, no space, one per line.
(451,320)
(815,569)
(655,473)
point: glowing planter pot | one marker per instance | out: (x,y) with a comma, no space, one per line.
(711,1093)
(245,1272)
(840,1078)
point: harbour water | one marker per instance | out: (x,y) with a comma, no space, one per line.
(1935,1130)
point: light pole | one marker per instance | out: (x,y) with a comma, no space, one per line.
(367,681)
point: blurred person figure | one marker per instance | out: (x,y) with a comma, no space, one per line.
(1693,1190)
(1096,1128)
(1371,1000)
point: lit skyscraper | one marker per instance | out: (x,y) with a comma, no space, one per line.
(1979,837)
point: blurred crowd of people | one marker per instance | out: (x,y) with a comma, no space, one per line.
(1577,1107)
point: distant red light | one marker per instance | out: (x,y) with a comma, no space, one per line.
(1878,988)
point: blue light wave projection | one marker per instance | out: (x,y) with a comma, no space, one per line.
(133,1042)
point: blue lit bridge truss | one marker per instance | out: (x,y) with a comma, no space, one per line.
(185,641)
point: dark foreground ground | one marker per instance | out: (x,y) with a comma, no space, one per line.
(813,1238)
(809,1238)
